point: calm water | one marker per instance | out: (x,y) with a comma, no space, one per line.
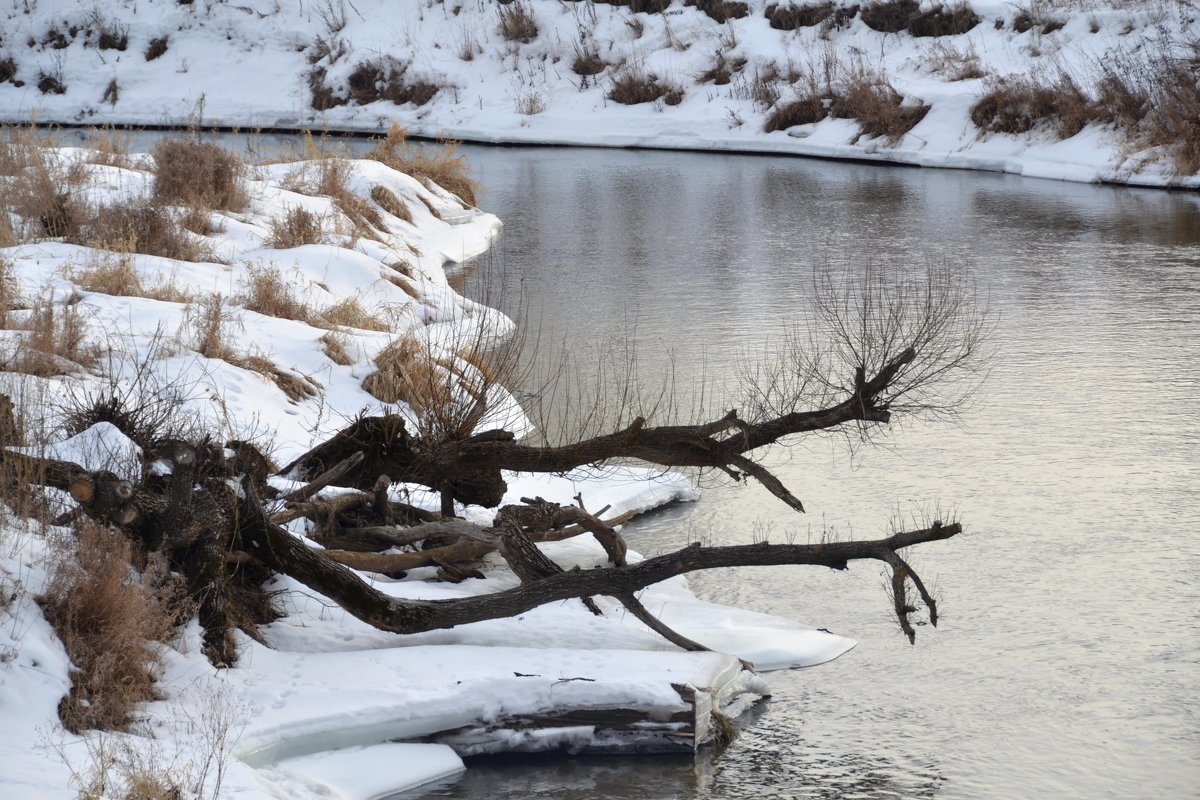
(1068,662)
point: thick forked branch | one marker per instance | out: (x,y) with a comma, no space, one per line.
(285,553)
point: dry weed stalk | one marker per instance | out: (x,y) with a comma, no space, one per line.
(444,166)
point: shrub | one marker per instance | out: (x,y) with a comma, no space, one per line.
(385,78)
(8,71)
(791,17)
(112,36)
(631,86)
(1019,104)
(444,166)
(721,10)
(722,71)
(349,313)
(879,109)
(199,174)
(942,21)
(50,83)
(298,226)
(587,62)
(107,618)
(157,47)
(267,292)
(890,16)
(517,23)
(800,111)
(138,227)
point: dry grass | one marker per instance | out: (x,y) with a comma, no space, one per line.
(943,21)
(386,78)
(801,111)
(444,165)
(1018,104)
(587,62)
(207,322)
(298,226)
(334,346)
(721,10)
(517,23)
(952,63)
(406,373)
(106,617)
(109,273)
(722,70)
(349,313)
(55,341)
(889,16)
(139,227)
(199,175)
(632,85)
(8,71)
(867,97)
(293,387)
(266,291)
(157,47)
(790,17)
(386,199)
(109,147)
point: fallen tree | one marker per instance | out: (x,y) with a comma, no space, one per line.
(209,511)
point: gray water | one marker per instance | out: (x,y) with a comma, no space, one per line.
(1067,663)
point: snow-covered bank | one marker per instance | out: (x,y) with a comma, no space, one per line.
(241,343)
(545,72)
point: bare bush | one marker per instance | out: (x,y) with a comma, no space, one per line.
(790,17)
(1018,104)
(721,10)
(517,23)
(867,97)
(199,174)
(386,78)
(443,166)
(139,227)
(266,291)
(632,86)
(298,226)
(107,618)
(157,47)
(386,199)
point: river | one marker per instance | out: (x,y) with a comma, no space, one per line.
(1067,663)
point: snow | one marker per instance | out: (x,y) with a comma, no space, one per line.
(488,82)
(315,713)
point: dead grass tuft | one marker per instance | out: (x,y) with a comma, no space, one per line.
(298,226)
(406,373)
(139,227)
(349,313)
(722,70)
(208,324)
(721,10)
(386,199)
(867,97)
(443,166)
(55,341)
(386,78)
(790,17)
(890,16)
(1018,104)
(199,174)
(266,291)
(111,274)
(335,348)
(517,23)
(8,71)
(157,47)
(106,617)
(293,387)
(801,111)
(632,86)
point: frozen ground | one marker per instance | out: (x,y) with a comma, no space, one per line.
(313,714)
(257,63)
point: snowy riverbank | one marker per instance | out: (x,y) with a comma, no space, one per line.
(256,339)
(1091,90)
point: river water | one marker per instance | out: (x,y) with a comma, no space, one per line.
(1067,663)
